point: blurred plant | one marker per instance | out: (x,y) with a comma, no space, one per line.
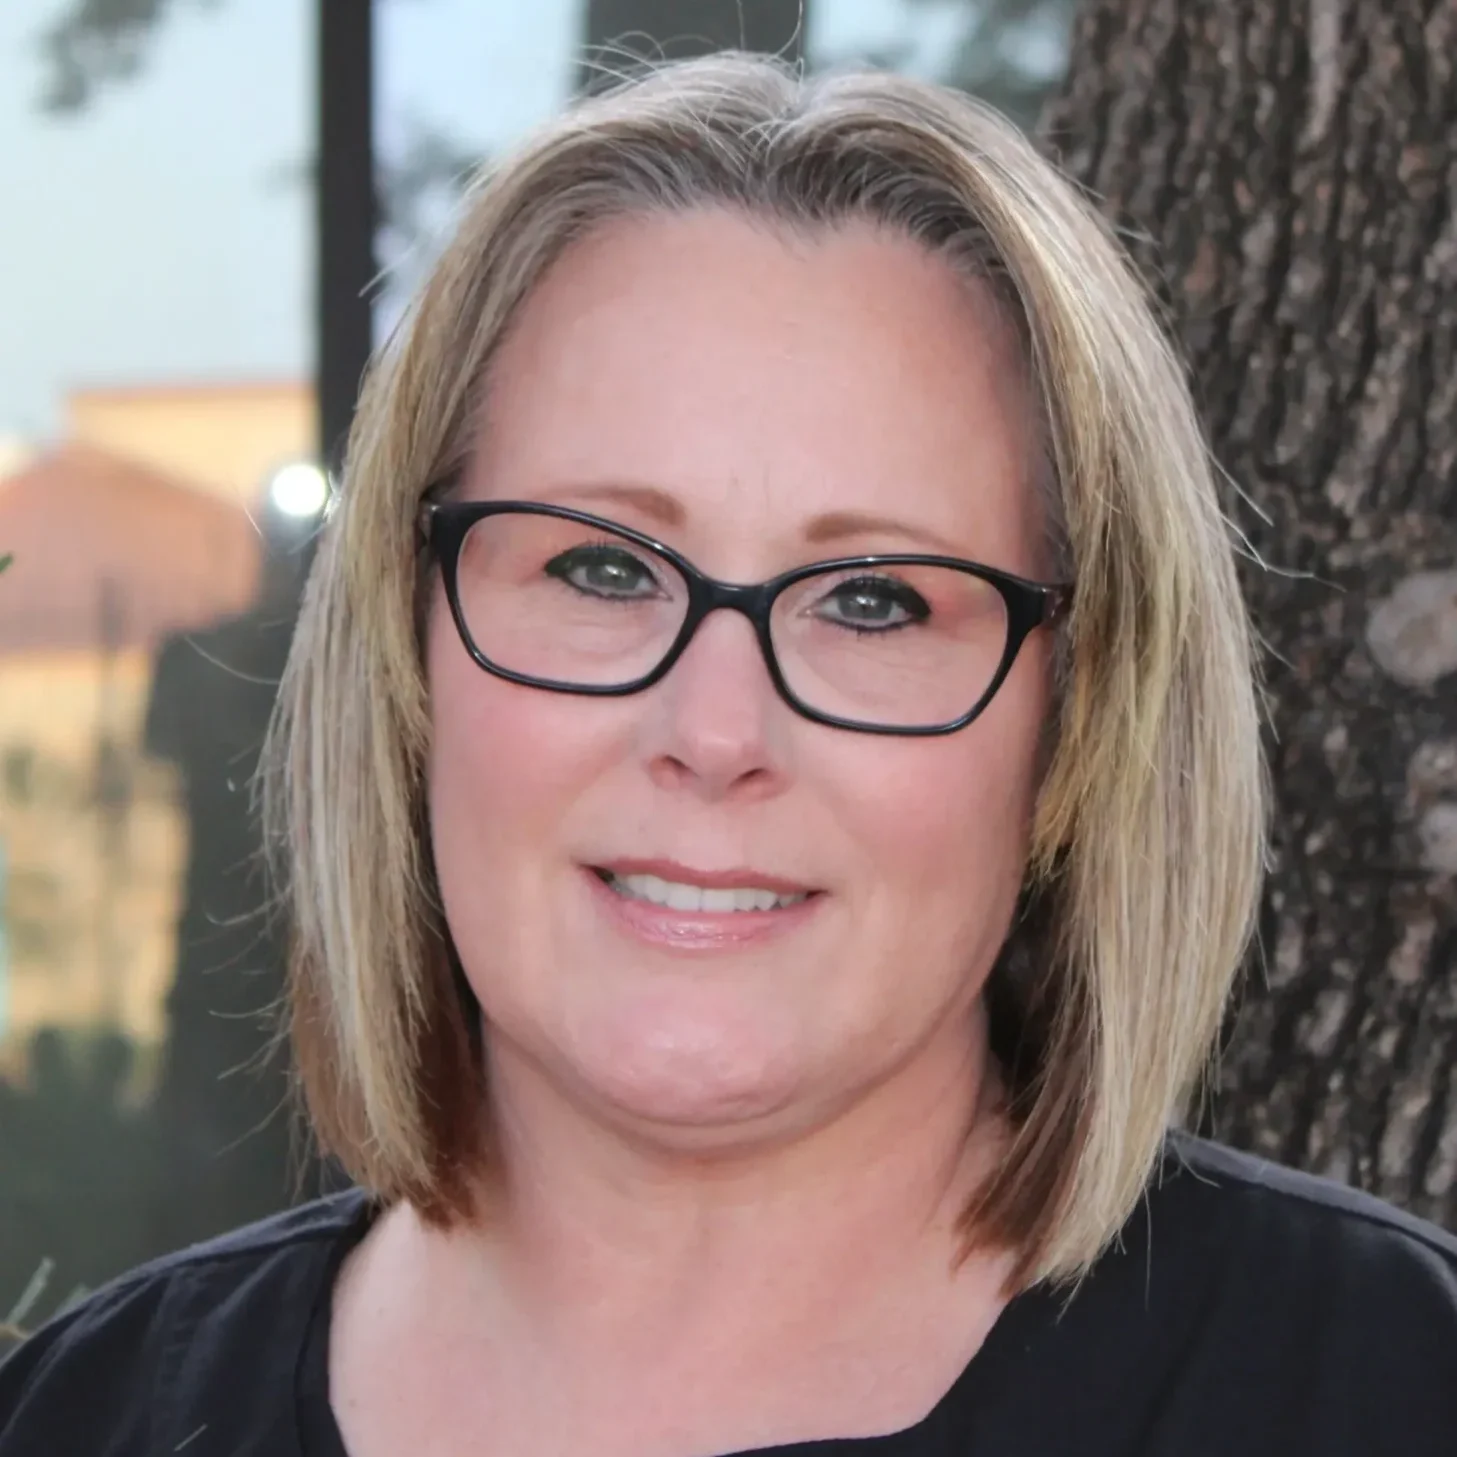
(418,187)
(6,560)
(94,42)
(1011,53)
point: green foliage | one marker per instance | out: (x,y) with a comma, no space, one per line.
(6,560)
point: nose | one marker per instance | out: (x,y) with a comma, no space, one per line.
(716,724)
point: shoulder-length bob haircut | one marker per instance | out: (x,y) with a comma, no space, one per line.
(1143,880)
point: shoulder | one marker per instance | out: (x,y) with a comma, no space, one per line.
(1309,1224)
(1244,1309)
(131,1365)
(1294,1274)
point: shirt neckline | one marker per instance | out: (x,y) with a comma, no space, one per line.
(1029,1311)
(318,1433)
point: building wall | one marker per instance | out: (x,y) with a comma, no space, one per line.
(15,453)
(229,438)
(90,902)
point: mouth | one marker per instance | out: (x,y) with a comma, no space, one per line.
(682,909)
(693,897)
(671,886)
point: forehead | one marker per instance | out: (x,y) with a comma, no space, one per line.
(764,377)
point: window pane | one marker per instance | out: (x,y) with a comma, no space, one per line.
(155,278)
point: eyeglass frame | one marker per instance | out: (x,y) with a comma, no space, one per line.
(444,525)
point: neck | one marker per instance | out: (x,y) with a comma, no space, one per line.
(634,1297)
(586,1217)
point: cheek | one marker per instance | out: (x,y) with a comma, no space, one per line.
(955,819)
(472,729)
(947,820)
(505,762)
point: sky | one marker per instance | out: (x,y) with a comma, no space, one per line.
(159,238)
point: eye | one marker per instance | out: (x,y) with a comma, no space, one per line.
(604,569)
(872,604)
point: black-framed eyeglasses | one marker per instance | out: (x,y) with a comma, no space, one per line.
(894,643)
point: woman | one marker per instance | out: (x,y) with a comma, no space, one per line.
(770,783)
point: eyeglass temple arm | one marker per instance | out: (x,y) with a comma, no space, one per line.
(1056,603)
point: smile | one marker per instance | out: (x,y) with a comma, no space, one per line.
(678,895)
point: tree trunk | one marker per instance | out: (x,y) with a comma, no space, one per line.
(1294,170)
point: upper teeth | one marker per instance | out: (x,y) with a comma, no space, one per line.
(680,897)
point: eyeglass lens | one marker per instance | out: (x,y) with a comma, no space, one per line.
(902,646)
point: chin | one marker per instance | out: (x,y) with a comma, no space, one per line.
(687,1075)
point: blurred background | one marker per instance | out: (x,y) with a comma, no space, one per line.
(211,208)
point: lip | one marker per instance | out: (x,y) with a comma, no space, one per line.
(664,927)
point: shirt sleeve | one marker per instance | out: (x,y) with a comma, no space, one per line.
(82,1385)
(1407,1377)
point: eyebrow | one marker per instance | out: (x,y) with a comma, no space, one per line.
(666,510)
(836,525)
(830,526)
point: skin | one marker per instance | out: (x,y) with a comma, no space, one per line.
(730,1169)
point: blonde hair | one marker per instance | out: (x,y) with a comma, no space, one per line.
(1148,838)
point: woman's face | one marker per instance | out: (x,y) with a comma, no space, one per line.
(757,401)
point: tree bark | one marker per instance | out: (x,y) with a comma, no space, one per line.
(1290,173)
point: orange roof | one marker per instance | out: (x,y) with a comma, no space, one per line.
(107,548)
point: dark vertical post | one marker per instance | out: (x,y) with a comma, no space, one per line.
(345,212)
